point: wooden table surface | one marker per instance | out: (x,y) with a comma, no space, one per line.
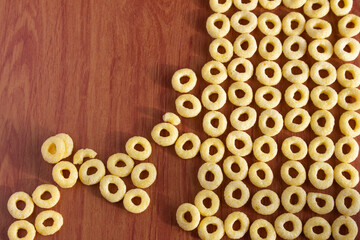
(101,72)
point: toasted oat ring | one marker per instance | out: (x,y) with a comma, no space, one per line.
(276,117)
(259,154)
(240,136)
(263,78)
(83,153)
(92,179)
(317,222)
(24,225)
(250,50)
(15,211)
(255,178)
(317,142)
(243,15)
(242,87)
(132,207)
(136,154)
(57,174)
(341,11)
(268,17)
(235,175)
(171,118)
(339,49)
(120,171)
(346,31)
(259,207)
(331,94)
(344,123)
(262,102)
(262,223)
(275,52)
(213,30)
(199,202)
(299,143)
(220,7)
(319,12)
(187,153)
(185,111)
(294,41)
(270,4)
(48,230)
(215,170)
(205,153)
(327,207)
(325,45)
(243,76)
(104,188)
(243,124)
(229,225)
(209,128)
(164,140)
(282,231)
(294,113)
(143,182)
(349,92)
(214,78)
(290,95)
(214,50)
(184,87)
(293,4)
(203,232)
(69,144)
(53,149)
(352,154)
(323,66)
(287,178)
(328,126)
(286,199)
(355,203)
(313,175)
(342,180)
(232,201)
(248,6)
(48,203)
(219,102)
(296,77)
(346,82)
(293,17)
(318,28)
(349,223)
(181,220)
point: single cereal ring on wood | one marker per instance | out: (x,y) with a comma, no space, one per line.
(320,12)
(291,42)
(343,10)
(92,179)
(254,177)
(320,49)
(349,224)
(240,87)
(291,116)
(187,153)
(176,80)
(223,43)
(166,140)
(216,6)
(261,155)
(58,174)
(265,79)
(290,95)
(297,142)
(171,118)
(327,127)
(268,17)
(236,115)
(184,111)
(114,159)
(345,55)
(263,102)
(240,76)
(41,190)
(276,51)
(216,172)
(262,224)
(346,93)
(53,149)
(205,150)
(229,225)
(16,212)
(342,207)
(16,226)
(345,121)
(315,75)
(352,154)
(235,202)
(246,16)
(348,82)
(40,219)
(242,165)
(270,4)
(217,78)
(343,181)
(146,182)
(318,28)
(208,126)
(199,202)
(213,90)
(290,66)
(313,204)
(205,234)
(277,119)
(259,207)
(243,137)
(329,94)
(348,31)
(293,4)
(300,177)
(120,188)
(246,6)
(287,196)
(284,233)
(251,45)
(69,144)
(293,17)
(132,207)
(317,142)
(83,153)
(182,221)
(317,222)
(315,180)
(143,142)
(213,30)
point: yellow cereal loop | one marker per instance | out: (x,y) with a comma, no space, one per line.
(199,202)
(171,118)
(58,174)
(69,144)
(205,150)
(214,50)
(259,207)
(229,225)
(349,223)
(53,149)
(265,79)
(234,136)
(320,12)
(213,90)
(237,121)
(346,93)
(205,234)
(269,129)
(345,126)
(187,153)
(243,15)
(354,207)
(293,4)
(351,154)
(290,66)
(283,232)
(16,226)
(246,6)
(222,7)
(240,87)
(41,190)
(88,178)
(233,201)
(343,181)
(141,182)
(292,41)
(327,127)
(262,223)
(343,10)
(313,204)
(132,207)
(268,17)
(318,28)
(167,140)
(14,211)
(315,180)
(240,76)
(286,199)
(83,153)
(317,142)
(264,156)
(291,116)
(181,220)
(251,45)
(293,17)
(348,82)
(276,48)
(331,97)
(242,165)
(208,126)
(213,30)
(264,103)
(185,73)
(254,177)
(345,21)
(120,188)
(215,170)
(187,112)
(270,4)
(48,230)
(315,75)
(139,155)
(124,171)
(320,49)
(317,222)
(298,102)
(214,78)
(299,179)
(345,55)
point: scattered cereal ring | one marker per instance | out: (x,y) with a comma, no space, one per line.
(216,6)
(317,222)
(315,180)
(214,78)
(326,128)
(262,223)
(69,144)
(16,226)
(246,6)
(240,76)
(13,208)
(270,4)
(265,79)
(229,225)
(352,54)
(293,4)
(243,15)
(296,102)
(83,153)
(263,102)
(294,41)
(343,181)
(213,90)
(345,126)
(351,69)
(347,31)
(329,94)
(184,111)
(178,85)
(292,77)
(316,143)
(205,150)
(291,116)
(132,207)
(320,49)
(293,17)
(53,149)
(296,142)
(120,188)
(199,202)
(286,199)
(42,189)
(214,50)
(259,207)
(346,93)
(261,155)
(139,155)
(240,87)
(315,75)
(208,126)
(187,153)
(318,28)
(354,207)
(277,119)
(254,177)
(213,30)
(251,45)
(91,179)
(268,17)
(300,177)
(146,182)
(167,140)
(120,171)
(205,234)
(349,223)
(276,51)
(215,170)
(320,12)
(313,204)
(284,233)
(343,10)
(237,121)
(181,220)
(58,174)
(234,136)
(352,154)
(171,118)
(48,230)
(236,202)
(235,175)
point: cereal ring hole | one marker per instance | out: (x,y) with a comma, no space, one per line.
(52,148)
(20,205)
(265,201)
(21,233)
(293,172)
(348,202)
(269,47)
(239,144)
(341,4)
(315,6)
(294,199)
(237,194)
(298,119)
(318,229)
(323,96)
(320,202)
(65,173)
(214,71)
(349,75)
(186,104)
(207,202)
(294,24)
(213,97)
(289,226)
(295,47)
(262,232)
(48,222)
(347,48)
(236,225)
(188,217)
(91,171)
(210,228)
(164,133)
(209,176)
(219,24)
(265,148)
(320,49)
(270,24)
(120,164)
(139,147)
(346,174)
(270,123)
(323,73)
(296,70)
(352,123)
(346,148)
(350,24)
(240,68)
(136,200)
(243,117)
(268,96)
(239,93)
(321,174)
(243,21)
(221,49)
(184,79)
(213,150)
(261,174)
(294,148)
(144,174)
(112,188)
(215,122)
(344,230)
(188,145)
(244,45)
(350,99)
(321,121)
(235,168)
(46,195)
(321,149)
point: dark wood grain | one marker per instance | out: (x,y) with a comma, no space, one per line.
(100,71)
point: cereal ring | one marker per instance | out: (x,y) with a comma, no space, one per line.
(205,150)
(213,90)
(347,93)
(120,188)
(292,77)
(139,155)
(318,28)
(166,140)
(141,182)
(238,123)
(300,177)
(343,10)
(286,199)
(322,129)
(177,83)
(262,223)
(263,102)
(181,220)
(352,154)
(208,126)
(216,6)
(315,180)
(243,137)
(69,144)
(315,70)
(351,69)
(296,142)
(261,155)
(320,12)
(53,149)
(58,174)
(43,189)
(270,4)
(294,41)
(236,202)
(132,207)
(208,76)
(329,94)
(91,179)
(277,119)
(226,45)
(320,49)
(199,202)
(229,225)
(349,31)
(293,4)
(347,55)
(246,6)
(215,170)
(213,30)
(276,51)
(318,142)
(187,153)
(344,123)
(205,234)
(20,213)
(235,175)
(246,16)
(184,111)
(344,181)
(251,45)
(317,222)
(313,204)
(341,206)
(16,226)
(48,230)
(349,223)
(268,209)
(297,102)
(293,17)
(254,177)
(240,87)
(114,159)
(291,116)
(266,18)
(83,153)
(171,118)
(264,78)
(296,224)
(240,76)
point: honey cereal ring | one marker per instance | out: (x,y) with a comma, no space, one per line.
(207,155)
(217,78)
(268,17)
(343,10)
(58,174)
(294,41)
(216,6)
(277,119)
(187,153)
(83,153)
(139,155)
(317,222)
(299,179)
(327,127)
(251,45)
(348,82)
(315,70)
(235,175)
(318,142)
(345,126)
(215,170)
(292,77)
(293,4)
(199,202)
(318,28)
(16,212)
(236,202)
(291,116)
(226,45)
(132,207)
(146,182)
(229,225)
(352,154)
(181,220)
(168,140)
(69,144)
(354,207)
(276,51)
(259,207)
(298,143)
(345,21)
(184,111)
(262,102)
(171,118)
(240,87)
(286,199)
(263,78)
(320,49)
(120,188)
(209,128)
(347,55)
(284,233)
(320,12)
(330,96)
(124,171)
(243,76)
(213,30)
(313,204)
(205,234)
(291,17)
(41,190)
(16,226)
(243,15)
(91,179)
(234,136)
(176,80)
(261,155)
(270,4)
(315,180)
(343,181)
(40,219)
(220,100)
(346,93)
(254,177)
(349,223)
(246,6)
(53,149)
(240,124)
(290,95)
(262,224)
